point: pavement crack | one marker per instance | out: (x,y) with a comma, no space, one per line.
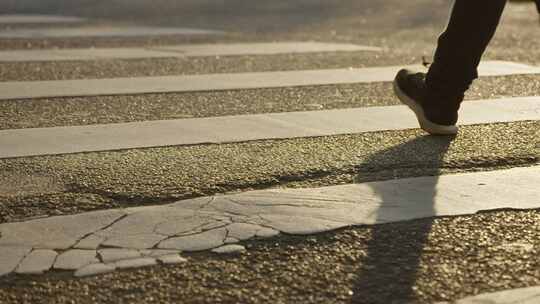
(195,230)
(227,212)
(156,246)
(210,201)
(55,258)
(114,222)
(100,229)
(263,223)
(99,256)
(234,202)
(24,257)
(227,232)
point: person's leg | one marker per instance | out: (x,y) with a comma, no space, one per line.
(470,29)
(435,97)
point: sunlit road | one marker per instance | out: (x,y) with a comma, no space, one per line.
(428,259)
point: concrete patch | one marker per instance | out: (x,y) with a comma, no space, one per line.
(55,232)
(93,31)
(196,242)
(157,253)
(75,259)
(113,254)
(530,295)
(226,129)
(135,263)
(196,50)
(265,233)
(11,257)
(90,242)
(141,241)
(172,259)
(268,212)
(302,225)
(37,19)
(242,231)
(94,269)
(213,82)
(37,262)
(227,249)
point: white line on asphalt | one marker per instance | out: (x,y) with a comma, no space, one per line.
(226,129)
(529,295)
(211,222)
(36,19)
(193,50)
(213,82)
(100,31)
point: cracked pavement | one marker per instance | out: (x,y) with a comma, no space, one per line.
(209,223)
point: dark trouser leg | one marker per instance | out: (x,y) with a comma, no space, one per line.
(470,29)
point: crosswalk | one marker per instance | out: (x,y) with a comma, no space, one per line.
(528,295)
(242,128)
(225,81)
(197,50)
(94,31)
(142,236)
(38,19)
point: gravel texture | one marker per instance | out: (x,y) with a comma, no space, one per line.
(423,261)
(81,182)
(117,109)
(63,70)
(103,42)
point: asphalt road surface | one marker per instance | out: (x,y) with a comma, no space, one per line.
(424,261)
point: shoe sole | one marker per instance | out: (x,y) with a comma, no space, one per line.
(425,124)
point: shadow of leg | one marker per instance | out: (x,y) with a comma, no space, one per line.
(389,268)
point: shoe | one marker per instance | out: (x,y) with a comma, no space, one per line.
(436,119)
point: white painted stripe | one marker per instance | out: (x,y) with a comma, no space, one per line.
(213,82)
(82,54)
(529,295)
(60,140)
(93,31)
(264,48)
(210,222)
(179,51)
(35,19)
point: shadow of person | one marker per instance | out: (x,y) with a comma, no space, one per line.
(388,270)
